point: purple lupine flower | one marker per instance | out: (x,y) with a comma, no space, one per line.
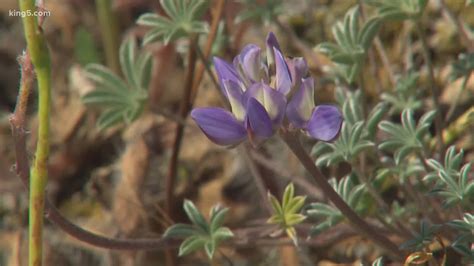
(258,101)
(321,122)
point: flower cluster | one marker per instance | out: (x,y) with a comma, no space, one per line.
(257,93)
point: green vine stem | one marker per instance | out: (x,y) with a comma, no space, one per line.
(39,54)
(109,31)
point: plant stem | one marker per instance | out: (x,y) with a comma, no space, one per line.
(433,88)
(292,141)
(185,107)
(216,18)
(39,54)
(385,61)
(258,179)
(109,31)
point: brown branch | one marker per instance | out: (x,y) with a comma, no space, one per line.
(292,141)
(193,78)
(300,181)
(258,179)
(200,68)
(184,109)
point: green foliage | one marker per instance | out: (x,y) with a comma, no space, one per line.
(349,144)
(401,171)
(352,43)
(122,101)
(265,11)
(452,180)
(378,262)
(183,19)
(407,137)
(404,95)
(349,192)
(463,242)
(356,134)
(423,238)
(463,67)
(85,51)
(287,214)
(200,235)
(399,9)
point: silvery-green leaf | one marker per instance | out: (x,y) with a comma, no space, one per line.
(105,78)
(222,233)
(195,216)
(210,248)
(288,195)
(218,219)
(378,262)
(191,244)
(109,118)
(368,32)
(180,230)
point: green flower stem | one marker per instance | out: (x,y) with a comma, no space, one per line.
(292,141)
(109,31)
(39,54)
(433,87)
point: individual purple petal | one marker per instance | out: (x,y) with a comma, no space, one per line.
(235,96)
(283,78)
(249,64)
(298,70)
(254,91)
(252,64)
(301,105)
(257,121)
(271,42)
(219,125)
(225,71)
(275,104)
(272,100)
(325,123)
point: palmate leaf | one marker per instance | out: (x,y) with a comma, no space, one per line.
(201,234)
(424,237)
(287,214)
(398,9)
(407,137)
(462,67)
(330,215)
(356,135)
(352,44)
(451,179)
(183,19)
(465,238)
(405,94)
(121,100)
